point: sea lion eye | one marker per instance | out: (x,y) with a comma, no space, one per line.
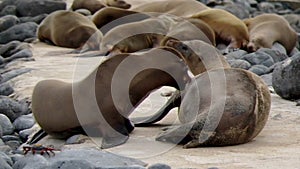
(184,47)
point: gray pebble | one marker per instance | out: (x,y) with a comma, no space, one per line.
(275,54)
(7,138)
(4,165)
(5,148)
(259,69)
(37,19)
(259,58)
(13,144)
(24,122)
(31,162)
(16,157)
(6,125)
(1,142)
(5,49)
(116,167)
(6,158)
(6,2)
(6,89)
(8,21)
(239,64)
(71,164)
(11,108)
(277,46)
(9,10)
(24,134)
(267,78)
(266,7)
(25,53)
(235,55)
(9,74)
(159,166)
(76,139)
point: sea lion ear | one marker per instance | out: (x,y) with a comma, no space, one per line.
(109,142)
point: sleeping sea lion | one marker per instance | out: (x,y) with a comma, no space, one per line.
(94,5)
(98,103)
(266,29)
(227,27)
(69,29)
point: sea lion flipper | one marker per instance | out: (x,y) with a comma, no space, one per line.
(174,101)
(109,142)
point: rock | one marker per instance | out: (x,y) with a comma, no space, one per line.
(20,47)
(37,7)
(8,21)
(5,148)
(6,158)
(259,58)
(239,64)
(24,122)
(159,166)
(11,108)
(237,10)
(294,21)
(6,125)
(71,164)
(9,10)
(4,165)
(16,157)
(275,54)
(259,69)
(286,78)
(24,134)
(6,3)
(298,103)
(25,53)
(19,32)
(13,73)
(1,142)
(279,47)
(238,54)
(97,158)
(6,49)
(37,19)
(7,138)
(6,89)
(31,162)
(77,139)
(13,144)
(267,79)
(266,7)
(84,12)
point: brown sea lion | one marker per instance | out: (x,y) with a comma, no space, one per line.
(106,16)
(132,37)
(59,107)
(228,28)
(183,8)
(200,57)
(94,5)
(231,109)
(69,29)
(266,29)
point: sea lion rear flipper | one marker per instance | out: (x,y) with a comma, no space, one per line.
(174,101)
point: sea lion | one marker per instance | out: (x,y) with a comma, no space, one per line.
(69,29)
(94,5)
(200,57)
(59,107)
(184,8)
(106,16)
(228,28)
(231,109)
(132,37)
(266,29)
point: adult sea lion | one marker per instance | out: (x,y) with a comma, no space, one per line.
(228,28)
(266,29)
(69,29)
(94,5)
(184,8)
(106,16)
(231,109)
(59,107)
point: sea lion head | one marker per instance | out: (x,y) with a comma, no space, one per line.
(255,43)
(118,4)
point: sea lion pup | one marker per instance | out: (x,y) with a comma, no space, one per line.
(94,5)
(228,28)
(231,109)
(184,8)
(132,37)
(59,107)
(69,29)
(104,18)
(200,57)
(266,29)
(190,29)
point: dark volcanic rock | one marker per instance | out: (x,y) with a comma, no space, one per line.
(9,10)
(5,49)
(11,108)
(19,32)
(13,73)
(238,54)
(37,7)
(6,125)
(259,58)
(6,3)
(31,162)
(8,21)
(37,19)
(259,69)
(25,53)
(24,122)
(237,10)
(159,166)
(275,54)
(239,64)
(286,78)
(6,89)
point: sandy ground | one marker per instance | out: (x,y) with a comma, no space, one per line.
(277,146)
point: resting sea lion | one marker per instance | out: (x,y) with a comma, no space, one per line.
(231,109)
(69,29)
(184,8)
(108,14)
(200,57)
(59,107)
(228,28)
(266,29)
(94,5)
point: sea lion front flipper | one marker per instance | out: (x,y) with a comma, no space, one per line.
(177,134)
(109,142)
(173,102)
